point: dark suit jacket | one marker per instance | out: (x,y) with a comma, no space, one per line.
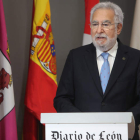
(80,89)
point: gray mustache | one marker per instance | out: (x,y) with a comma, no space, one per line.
(101,35)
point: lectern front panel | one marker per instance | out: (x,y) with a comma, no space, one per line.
(86,131)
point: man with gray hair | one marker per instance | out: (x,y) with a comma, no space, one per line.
(103,76)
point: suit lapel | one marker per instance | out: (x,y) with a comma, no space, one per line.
(90,57)
(119,64)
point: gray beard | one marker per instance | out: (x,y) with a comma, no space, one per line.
(107,46)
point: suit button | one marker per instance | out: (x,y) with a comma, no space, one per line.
(103,104)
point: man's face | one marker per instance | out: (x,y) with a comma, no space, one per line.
(102,38)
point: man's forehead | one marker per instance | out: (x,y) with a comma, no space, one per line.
(103,15)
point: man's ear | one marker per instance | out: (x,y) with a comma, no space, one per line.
(119,28)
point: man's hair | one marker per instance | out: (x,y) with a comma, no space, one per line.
(119,16)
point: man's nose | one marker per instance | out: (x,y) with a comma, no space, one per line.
(99,29)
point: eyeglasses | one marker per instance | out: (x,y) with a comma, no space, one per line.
(104,25)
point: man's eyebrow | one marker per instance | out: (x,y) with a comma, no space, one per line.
(106,21)
(94,21)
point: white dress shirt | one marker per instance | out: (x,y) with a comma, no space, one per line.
(111,57)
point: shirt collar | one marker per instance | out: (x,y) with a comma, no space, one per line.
(112,52)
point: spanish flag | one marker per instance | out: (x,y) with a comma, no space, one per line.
(89,4)
(41,84)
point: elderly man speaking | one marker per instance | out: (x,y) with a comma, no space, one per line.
(103,76)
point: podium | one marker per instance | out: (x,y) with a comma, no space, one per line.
(88,126)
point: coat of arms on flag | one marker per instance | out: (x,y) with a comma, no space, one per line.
(43,46)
